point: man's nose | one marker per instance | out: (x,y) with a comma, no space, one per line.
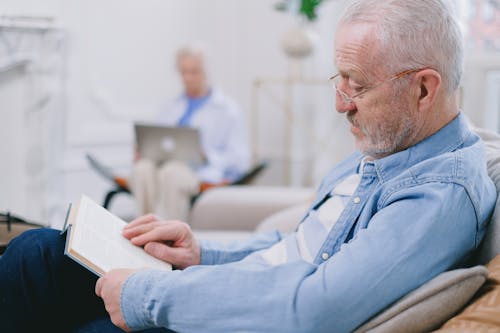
(342,105)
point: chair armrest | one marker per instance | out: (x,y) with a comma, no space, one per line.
(243,207)
(286,220)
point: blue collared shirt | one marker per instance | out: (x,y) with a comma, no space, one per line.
(415,214)
(223,133)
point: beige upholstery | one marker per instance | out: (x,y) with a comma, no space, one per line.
(243,207)
(428,306)
(285,220)
(490,246)
(482,314)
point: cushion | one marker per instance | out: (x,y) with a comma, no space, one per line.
(243,207)
(483,312)
(490,246)
(492,143)
(430,305)
(285,220)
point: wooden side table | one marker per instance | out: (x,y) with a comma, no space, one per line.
(11,227)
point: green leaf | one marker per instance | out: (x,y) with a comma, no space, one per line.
(308,8)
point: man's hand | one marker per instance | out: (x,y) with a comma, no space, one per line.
(170,241)
(109,287)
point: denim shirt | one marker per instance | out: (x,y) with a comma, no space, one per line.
(415,214)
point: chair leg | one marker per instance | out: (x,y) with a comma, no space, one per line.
(193,199)
(111,194)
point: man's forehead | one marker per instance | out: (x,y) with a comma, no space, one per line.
(356,46)
(190,62)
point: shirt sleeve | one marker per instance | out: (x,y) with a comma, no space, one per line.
(418,233)
(231,159)
(215,253)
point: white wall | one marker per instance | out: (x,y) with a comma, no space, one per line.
(12,91)
(481,88)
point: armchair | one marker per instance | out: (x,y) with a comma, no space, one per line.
(120,184)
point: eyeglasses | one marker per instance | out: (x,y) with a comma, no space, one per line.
(363,90)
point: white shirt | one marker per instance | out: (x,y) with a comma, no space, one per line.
(223,134)
(306,242)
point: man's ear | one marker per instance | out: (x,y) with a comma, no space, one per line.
(429,82)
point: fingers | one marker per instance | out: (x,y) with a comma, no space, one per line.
(166,253)
(142,220)
(109,288)
(98,287)
(178,257)
(142,225)
(167,231)
(160,251)
(140,229)
(171,241)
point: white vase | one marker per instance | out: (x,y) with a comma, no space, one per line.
(299,42)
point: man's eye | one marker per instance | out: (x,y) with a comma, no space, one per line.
(356,88)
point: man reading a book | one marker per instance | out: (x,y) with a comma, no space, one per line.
(412,203)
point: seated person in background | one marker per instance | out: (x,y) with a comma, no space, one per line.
(411,204)
(168,188)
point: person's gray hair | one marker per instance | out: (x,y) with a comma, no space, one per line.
(414,34)
(191,50)
(195,49)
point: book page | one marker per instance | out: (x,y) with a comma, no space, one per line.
(97,237)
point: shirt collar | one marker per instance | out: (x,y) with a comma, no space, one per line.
(447,139)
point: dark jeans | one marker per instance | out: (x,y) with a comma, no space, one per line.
(42,290)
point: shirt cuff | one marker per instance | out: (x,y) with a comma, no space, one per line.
(208,256)
(136,302)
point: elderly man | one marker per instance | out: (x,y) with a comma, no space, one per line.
(168,188)
(412,203)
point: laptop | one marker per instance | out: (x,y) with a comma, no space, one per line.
(161,143)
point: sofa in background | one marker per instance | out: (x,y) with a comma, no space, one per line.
(244,207)
(462,300)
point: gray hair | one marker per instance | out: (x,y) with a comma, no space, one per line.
(198,50)
(415,34)
(191,50)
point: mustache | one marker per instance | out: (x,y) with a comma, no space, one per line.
(350,118)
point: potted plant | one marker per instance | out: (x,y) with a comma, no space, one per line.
(305,8)
(299,41)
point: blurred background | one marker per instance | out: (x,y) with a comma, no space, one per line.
(76,74)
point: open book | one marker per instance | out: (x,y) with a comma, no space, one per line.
(95,240)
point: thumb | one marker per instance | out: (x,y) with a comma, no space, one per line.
(98,287)
(160,251)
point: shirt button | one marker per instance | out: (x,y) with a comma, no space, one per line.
(357,200)
(325,256)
